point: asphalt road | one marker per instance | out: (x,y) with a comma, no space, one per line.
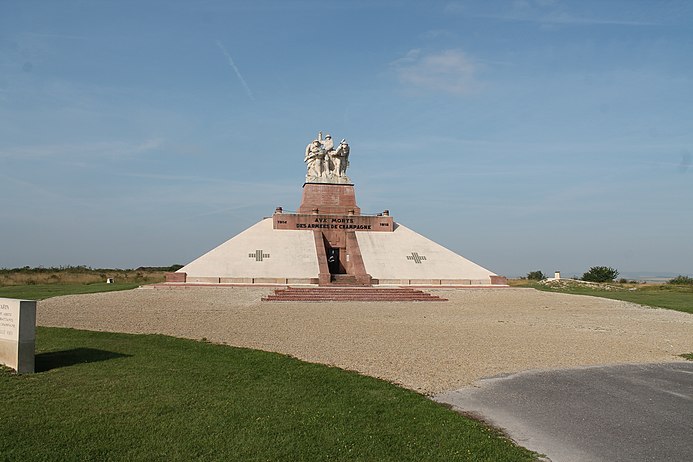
(616,413)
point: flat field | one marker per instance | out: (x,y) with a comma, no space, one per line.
(80,275)
(426,347)
(107,396)
(102,395)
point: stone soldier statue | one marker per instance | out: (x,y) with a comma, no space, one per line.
(327,143)
(315,160)
(324,163)
(328,147)
(341,158)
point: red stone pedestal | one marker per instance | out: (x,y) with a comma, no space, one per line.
(330,211)
(499,280)
(331,199)
(176,277)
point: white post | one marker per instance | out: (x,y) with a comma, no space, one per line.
(18,334)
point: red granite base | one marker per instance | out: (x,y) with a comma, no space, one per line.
(499,280)
(176,277)
(347,294)
(337,199)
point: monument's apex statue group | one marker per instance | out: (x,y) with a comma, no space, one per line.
(325,163)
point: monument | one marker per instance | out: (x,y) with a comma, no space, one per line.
(329,242)
(325,163)
(17,334)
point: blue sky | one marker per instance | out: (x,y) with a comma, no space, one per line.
(524,135)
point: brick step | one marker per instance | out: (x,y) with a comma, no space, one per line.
(343,278)
(351,294)
(408,290)
(355,289)
(347,293)
(272,298)
(351,289)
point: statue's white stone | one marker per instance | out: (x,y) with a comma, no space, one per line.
(315,160)
(327,143)
(340,158)
(324,163)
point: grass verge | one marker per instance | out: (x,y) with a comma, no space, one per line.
(81,275)
(673,297)
(688,356)
(106,396)
(42,291)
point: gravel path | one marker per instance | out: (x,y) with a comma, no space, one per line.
(428,347)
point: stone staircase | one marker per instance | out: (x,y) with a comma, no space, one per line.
(351,294)
(343,280)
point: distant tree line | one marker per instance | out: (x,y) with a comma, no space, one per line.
(594,274)
(535,276)
(83,269)
(600,274)
(607,274)
(681,280)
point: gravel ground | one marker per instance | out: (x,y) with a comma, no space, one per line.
(427,347)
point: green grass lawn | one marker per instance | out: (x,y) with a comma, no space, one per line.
(106,396)
(673,297)
(42,291)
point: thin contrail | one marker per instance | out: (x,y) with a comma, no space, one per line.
(235,69)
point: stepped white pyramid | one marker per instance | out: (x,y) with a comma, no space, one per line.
(328,242)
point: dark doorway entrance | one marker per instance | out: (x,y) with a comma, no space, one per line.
(333,260)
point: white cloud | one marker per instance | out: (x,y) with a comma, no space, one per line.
(148,145)
(235,69)
(448,71)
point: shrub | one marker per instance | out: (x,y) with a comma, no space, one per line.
(535,276)
(600,274)
(681,280)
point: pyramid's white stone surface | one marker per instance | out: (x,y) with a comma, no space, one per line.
(259,252)
(404,255)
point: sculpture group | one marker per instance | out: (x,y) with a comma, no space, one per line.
(325,163)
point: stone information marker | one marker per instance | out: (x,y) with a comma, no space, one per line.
(17,334)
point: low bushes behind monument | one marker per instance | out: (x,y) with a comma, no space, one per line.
(81,275)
